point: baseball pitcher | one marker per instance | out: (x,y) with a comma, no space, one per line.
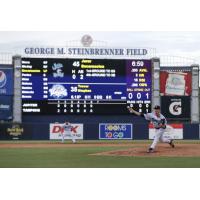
(159,122)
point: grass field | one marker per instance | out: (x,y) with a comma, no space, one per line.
(79,156)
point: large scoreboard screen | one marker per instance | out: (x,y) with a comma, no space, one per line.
(85,86)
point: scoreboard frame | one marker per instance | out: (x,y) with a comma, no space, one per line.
(107,59)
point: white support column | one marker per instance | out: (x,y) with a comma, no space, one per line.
(17,101)
(195,94)
(155,82)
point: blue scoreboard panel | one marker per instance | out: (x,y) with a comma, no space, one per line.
(85,86)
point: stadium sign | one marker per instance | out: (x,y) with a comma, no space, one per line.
(86,51)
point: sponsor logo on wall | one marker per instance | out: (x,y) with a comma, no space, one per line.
(173,131)
(57,129)
(6,112)
(6,80)
(175,82)
(5,107)
(176,108)
(16,130)
(3,79)
(115,131)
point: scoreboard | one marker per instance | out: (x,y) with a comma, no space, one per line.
(85,86)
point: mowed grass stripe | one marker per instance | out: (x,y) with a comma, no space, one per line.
(81,158)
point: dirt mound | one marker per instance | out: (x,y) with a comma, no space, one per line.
(163,150)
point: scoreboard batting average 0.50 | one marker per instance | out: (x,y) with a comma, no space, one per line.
(85,86)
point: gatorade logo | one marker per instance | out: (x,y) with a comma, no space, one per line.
(175,108)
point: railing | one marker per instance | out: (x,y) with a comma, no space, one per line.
(6,58)
(176,61)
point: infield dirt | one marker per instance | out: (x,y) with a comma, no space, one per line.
(137,150)
(163,150)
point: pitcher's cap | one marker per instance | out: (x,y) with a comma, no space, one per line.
(156,107)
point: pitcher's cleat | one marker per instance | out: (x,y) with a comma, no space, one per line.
(150,150)
(172,144)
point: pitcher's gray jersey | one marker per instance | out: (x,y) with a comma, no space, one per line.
(155,120)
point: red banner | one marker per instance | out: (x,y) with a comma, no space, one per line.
(175,83)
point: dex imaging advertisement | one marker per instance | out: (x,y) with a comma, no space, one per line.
(57,129)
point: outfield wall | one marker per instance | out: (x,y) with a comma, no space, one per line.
(92,131)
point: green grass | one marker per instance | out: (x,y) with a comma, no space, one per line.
(78,157)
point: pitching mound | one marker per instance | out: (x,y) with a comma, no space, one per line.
(163,150)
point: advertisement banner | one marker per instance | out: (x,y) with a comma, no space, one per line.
(57,129)
(175,83)
(6,80)
(15,131)
(173,131)
(115,131)
(176,108)
(6,111)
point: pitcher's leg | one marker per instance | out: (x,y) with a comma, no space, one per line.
(156,139)
(154,143)
(162,138)
(169,141)
(166,140)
